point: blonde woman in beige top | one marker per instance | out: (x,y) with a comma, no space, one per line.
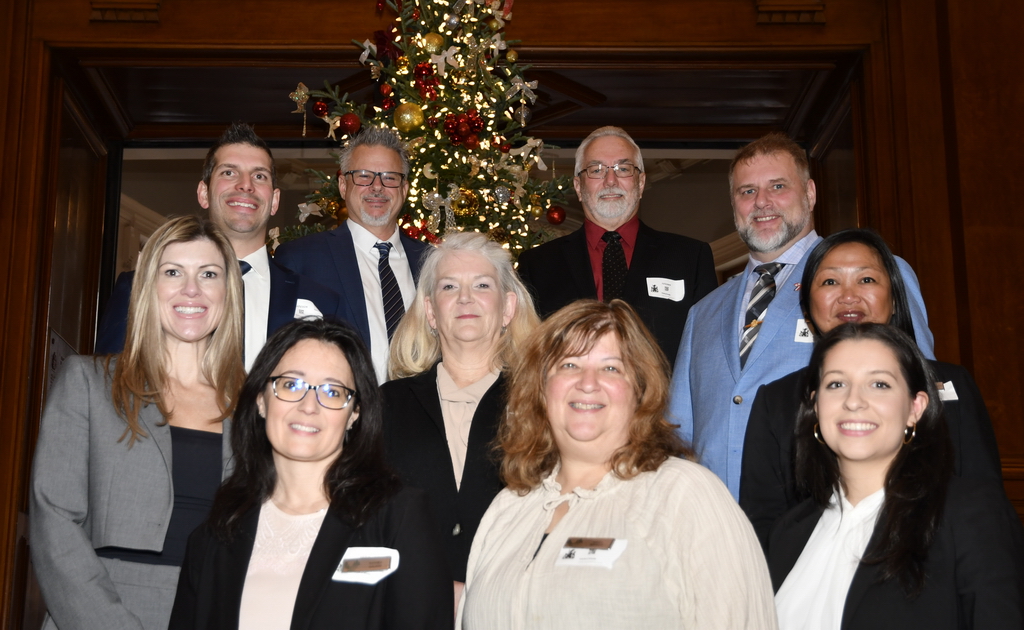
(602,525)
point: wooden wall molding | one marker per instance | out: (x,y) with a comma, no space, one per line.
(117,11)
(805,13)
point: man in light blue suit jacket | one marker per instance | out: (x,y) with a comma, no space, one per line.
(772,197)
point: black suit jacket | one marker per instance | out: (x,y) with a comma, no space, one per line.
(767,484)
(417,595)
(330,259)
(975,567)
(418,449)
(286,287)
(559,273)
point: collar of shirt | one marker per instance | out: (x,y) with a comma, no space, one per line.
(259,260)
(472,393)
(595,247)
(790,258)
(364,241)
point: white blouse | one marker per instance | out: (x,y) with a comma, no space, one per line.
(814,593)
(689,558)
(279,555)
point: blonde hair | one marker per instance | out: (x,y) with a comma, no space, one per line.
(414,349)
(141,372)
(525,437)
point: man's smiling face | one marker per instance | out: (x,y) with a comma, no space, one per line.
(610,201)
(241,196)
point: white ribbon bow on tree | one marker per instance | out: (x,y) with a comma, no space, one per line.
(447,57)
(526,88)
(368,49)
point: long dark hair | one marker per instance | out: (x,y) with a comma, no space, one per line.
(898,289)
(357,483)
(916,482)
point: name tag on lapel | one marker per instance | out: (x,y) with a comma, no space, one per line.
(803,332)
(666,288)
(305,308)
(366,565)
(590,552)
(947,391)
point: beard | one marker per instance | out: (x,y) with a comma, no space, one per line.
(612,209)
(373,220)
(761,243)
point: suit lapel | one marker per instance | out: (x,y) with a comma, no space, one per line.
(645,252)
(576,260)
(233,569)
(786,544)
(424,387)
(782,315)
(343,253)
(414,253)
(284,291)
(153,423)
(863,579)
(481,434)
(324,557)
(730,320)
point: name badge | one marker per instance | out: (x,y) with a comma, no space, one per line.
(366,565)
(666,288)
(305,308)
(947,391)
(590,552)
(803,332)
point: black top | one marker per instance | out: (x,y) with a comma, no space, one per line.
(195,477)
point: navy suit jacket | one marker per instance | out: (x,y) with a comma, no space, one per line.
(330,259)
(559,273)
(974,567)
(417,448)
(286,287)
(768,486)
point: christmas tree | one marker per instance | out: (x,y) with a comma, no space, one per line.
(454,91)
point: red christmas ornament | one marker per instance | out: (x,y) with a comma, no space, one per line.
(472,142)
(430,236)
(385,89)
(349,123)
(424,69)
(432,122)
(556,215)
(388,103)
(505,148)
(411,231)
(319,109)
(476,125)
(416,13)
(380,6)
(464,129)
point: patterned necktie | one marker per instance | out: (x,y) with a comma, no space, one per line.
(760,298)
(394,308)
(613,267)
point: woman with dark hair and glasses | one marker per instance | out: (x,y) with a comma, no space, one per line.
(312,530)
(851,276)
(889,537)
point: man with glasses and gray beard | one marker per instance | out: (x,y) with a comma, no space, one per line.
(614,254)
(366,259)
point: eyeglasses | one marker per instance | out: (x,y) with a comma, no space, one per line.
(622,171)
(365,178)
(329,395)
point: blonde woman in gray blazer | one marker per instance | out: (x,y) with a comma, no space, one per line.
(106,514)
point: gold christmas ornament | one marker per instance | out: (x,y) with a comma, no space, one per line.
(512,56)
(537,211)
(433,43)
(402,63)
(493,24)
(466,204)
(536,200)
(408,116)
(498,235)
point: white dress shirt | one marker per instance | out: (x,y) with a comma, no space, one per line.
(814,593)
(369,258)
(257,304)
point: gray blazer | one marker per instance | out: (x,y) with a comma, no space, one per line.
(89,490)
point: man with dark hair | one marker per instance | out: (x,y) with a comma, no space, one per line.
(614,254)
(239,190)
(750,331)
(367,259)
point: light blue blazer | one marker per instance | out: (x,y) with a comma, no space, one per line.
(89,490)
(711,396)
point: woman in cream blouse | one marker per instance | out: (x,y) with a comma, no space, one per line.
(602,524)
(470,316)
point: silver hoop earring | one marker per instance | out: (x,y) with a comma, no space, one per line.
(433,332)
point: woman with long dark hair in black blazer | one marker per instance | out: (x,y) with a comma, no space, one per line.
(889,538)
(851,276)
(470,316)
(312,530)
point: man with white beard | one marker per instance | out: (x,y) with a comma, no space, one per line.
(614,254)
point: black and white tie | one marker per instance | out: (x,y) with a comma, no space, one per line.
(394,308)
(613,267)
(760,298)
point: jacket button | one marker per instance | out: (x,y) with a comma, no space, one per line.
(738,400)
(456,530)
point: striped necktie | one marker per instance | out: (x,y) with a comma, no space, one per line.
(394,308)
(760,298)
